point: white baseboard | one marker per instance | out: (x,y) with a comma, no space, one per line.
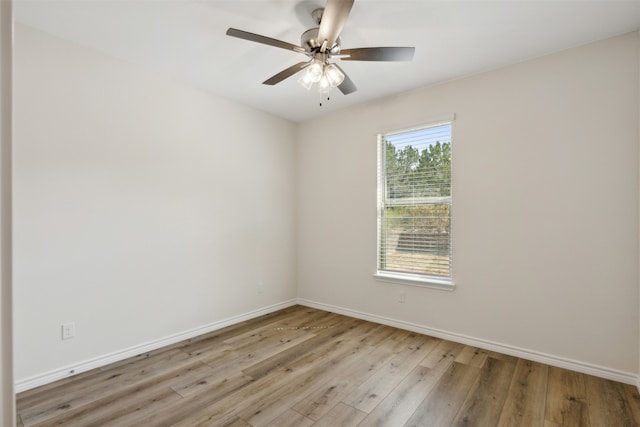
(561,362)
(76,368)
(70,370)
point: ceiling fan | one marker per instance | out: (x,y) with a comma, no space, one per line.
(322,44)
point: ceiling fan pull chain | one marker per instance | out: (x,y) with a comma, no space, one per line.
(328,98)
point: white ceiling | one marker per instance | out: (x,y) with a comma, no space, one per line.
(186,39)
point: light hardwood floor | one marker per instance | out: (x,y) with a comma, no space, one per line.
(305,367)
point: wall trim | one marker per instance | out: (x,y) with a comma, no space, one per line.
(97,362)
(561,362)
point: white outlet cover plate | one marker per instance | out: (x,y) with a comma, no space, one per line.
(68,330)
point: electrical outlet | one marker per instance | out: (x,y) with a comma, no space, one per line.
(68,330)
(403,297)
(260,287)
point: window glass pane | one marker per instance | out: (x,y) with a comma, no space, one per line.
(414,213)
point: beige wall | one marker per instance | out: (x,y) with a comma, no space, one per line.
(143,208)
(545,216)
(6,366)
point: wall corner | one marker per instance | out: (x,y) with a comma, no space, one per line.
(7,415)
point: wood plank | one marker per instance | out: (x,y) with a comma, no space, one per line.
(217,337)
(215,386)
(399,405)
(291,418)
(198,410)
(330,393)
(472,356)
(373,334)
(251,401)
(445,349)
(283,358)
(502,356)
(566,402)
(125,412)
(178,413)
(138,399)
(214,355)
(488,395)
(608,403)
(307,319)
(40,393)
(136,360)
(362,331)
(525,404)
(396,342)
(633,398)
(235,422)
(341,415)
(443,403)
(256,340)
(261,412)
(100,385)
(372,391)
(249,355)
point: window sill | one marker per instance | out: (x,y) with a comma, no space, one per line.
(409,279)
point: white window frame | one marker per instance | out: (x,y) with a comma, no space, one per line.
(414,279)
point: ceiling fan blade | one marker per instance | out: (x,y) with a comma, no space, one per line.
(347,86)
(378,54)
(285,73)
(245,35)
(333,18)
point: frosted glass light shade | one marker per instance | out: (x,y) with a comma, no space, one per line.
(314,71)
(323,85)
(334,75)
(304,81)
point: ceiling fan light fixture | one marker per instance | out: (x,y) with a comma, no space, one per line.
(304,81)
(324,86)
(334,75)
(315,70)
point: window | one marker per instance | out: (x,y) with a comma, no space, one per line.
(414,204)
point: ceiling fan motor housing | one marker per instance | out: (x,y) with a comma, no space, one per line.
(309,40)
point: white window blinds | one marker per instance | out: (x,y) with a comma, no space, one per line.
(414,202)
